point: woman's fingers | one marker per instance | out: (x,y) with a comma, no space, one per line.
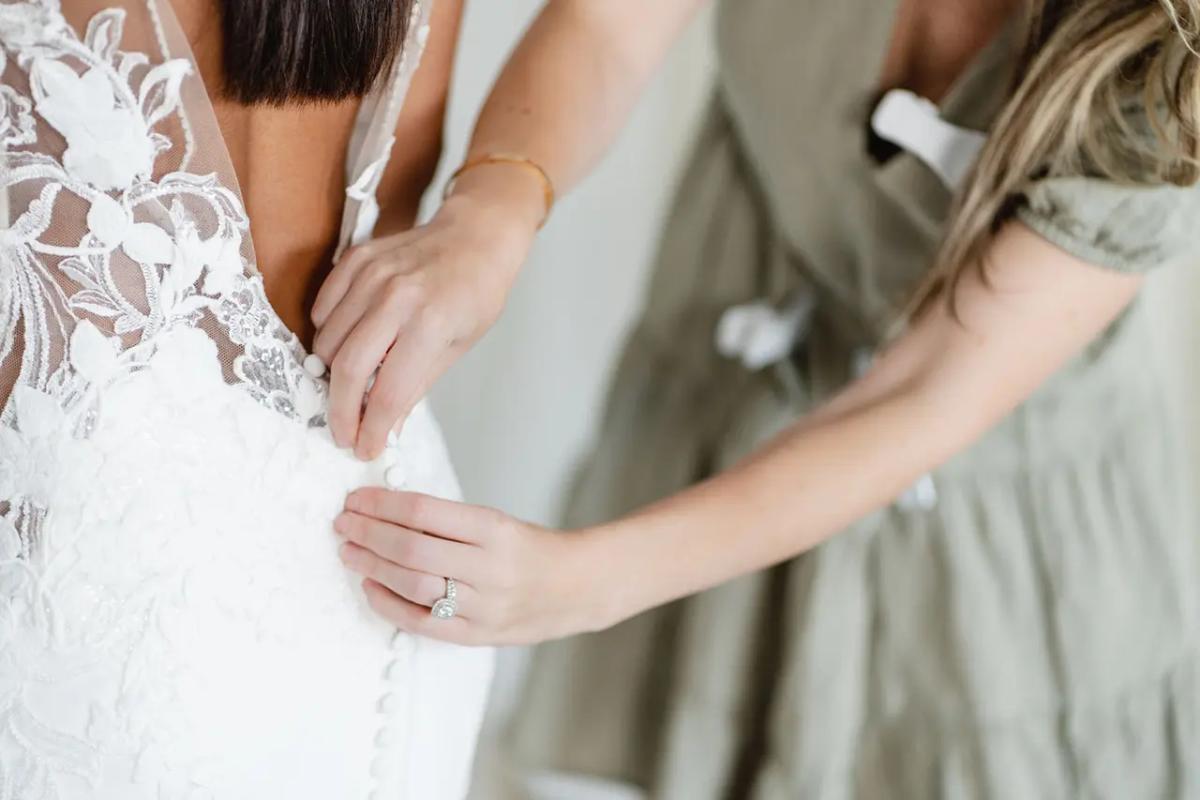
(398,387)
(360,299)
(413,550)
(421,512)
(350,374)
(416,587)
(339,280)
(413,618)
(380,304)
(521,584)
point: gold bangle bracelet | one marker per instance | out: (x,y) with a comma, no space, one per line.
(505,158)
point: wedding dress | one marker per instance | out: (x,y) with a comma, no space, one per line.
(174,621)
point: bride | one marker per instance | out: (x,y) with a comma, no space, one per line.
(174,620)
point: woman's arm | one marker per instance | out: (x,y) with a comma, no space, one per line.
(413,302)
(936,390)
(572,82)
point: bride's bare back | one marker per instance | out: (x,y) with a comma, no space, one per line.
(291,161)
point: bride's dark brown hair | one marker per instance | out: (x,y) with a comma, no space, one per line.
(284,51)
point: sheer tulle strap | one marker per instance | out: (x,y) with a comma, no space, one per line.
(375,128)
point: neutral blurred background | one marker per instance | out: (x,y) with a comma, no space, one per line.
(519,410)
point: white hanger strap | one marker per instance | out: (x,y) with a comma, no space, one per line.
(914,123)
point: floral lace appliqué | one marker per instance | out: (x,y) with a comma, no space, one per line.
(108,246)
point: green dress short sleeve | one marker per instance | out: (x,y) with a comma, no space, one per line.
(1126,227)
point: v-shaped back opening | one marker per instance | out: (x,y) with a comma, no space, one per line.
(367,149)
(128,233)
(218,150)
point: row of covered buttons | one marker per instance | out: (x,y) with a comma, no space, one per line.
(388,760)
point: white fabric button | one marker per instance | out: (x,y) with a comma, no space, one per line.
(394,477)
(861,361)
(921,496)
(382,767)
(313,365)
(758,334)
(388,703)
(385,737)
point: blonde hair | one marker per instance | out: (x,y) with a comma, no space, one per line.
(1086,65)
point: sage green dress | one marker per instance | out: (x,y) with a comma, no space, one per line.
(1030,632)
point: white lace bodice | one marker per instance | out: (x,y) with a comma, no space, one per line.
(173,619)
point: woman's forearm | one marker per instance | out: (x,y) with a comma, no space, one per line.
(934,392)
(807,485)
(570,85)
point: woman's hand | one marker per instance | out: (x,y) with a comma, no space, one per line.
(517,583)
(408,305)
(950,377)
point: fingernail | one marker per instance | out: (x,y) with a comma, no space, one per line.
(340,524)
(362,450)
(352,502)
(344,553)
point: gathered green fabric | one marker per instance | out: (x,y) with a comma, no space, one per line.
(1031,634)
(1127,228)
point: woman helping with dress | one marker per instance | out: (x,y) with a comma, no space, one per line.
(175,180)
(885,461)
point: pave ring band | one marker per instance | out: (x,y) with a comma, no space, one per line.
(446,607)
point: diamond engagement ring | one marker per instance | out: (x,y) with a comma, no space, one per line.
(448,605)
